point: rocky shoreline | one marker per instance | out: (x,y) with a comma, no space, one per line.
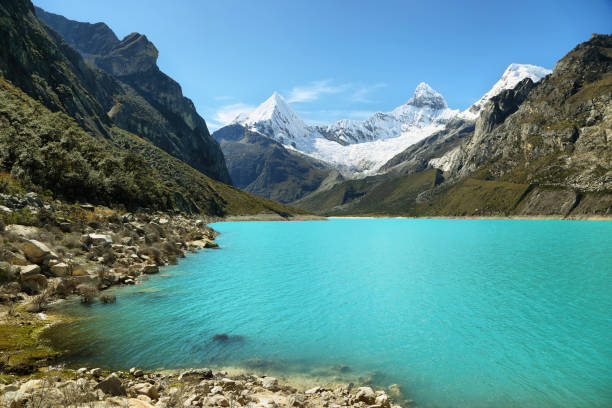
(51,250)
(94,388)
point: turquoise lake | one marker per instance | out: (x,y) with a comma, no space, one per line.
(459,313)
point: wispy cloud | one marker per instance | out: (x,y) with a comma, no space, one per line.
(227,113)
(361,93)
(313,90)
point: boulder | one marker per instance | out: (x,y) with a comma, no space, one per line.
(366,394)
(383,400)
(136,372)
(136,403)
(228,384)
(60,269)
(28,271)
(220,401)
(37,252)
(34,284)
(150,390)
(100,239)
(269,383)
(30,386)
(22,230)
(199,373)
(96,372)
(150,269)
(17,259)
(15,399)
(111,385)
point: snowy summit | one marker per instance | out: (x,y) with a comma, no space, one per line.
(361,147)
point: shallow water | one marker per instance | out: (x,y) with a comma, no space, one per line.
(460,313)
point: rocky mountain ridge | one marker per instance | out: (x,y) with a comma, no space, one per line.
(143,100)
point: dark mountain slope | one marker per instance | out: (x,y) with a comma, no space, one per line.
(49,151)
(262,166)
(56,135)
(147,101)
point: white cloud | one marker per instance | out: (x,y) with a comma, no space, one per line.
(314,90)
(360,94)
(227,113)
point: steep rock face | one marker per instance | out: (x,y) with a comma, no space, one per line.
(420,155)
(561,133)
(262,166)
(54,74)
(144,100)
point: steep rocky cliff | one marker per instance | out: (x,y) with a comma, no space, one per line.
(144,101)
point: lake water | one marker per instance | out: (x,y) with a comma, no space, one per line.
(459,313)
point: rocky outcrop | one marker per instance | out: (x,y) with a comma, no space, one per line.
(560,133)
(418,157)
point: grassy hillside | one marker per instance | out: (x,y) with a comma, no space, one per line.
(379,195)
(46,150)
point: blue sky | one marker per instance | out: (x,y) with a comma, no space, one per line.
(343,59)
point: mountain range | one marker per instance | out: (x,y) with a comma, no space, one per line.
(90,117)
(346,148)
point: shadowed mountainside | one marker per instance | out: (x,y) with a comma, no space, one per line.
(262,166)
(142,99)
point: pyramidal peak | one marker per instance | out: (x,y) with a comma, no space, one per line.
(425,96)
(273,107)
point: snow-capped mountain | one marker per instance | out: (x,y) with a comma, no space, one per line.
(426,107)
(360,148)
(514,74)
(275,118)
